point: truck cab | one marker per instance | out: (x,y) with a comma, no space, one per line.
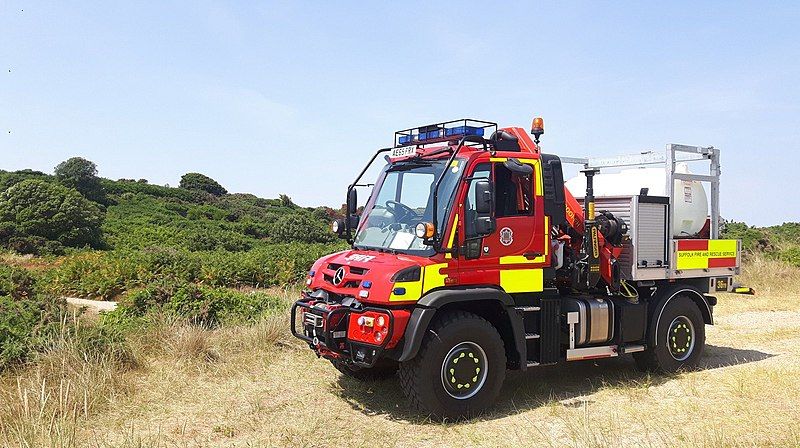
(471,257)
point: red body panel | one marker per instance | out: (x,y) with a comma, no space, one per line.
(529,247)
(361,265)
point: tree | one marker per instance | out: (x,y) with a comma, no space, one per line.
(81,174)
(37,208)
(201,182)
(286,201)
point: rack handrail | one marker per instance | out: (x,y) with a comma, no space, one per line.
(673,154)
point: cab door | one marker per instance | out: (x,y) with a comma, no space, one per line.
(514,254)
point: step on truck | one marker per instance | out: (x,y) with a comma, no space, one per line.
(472,256)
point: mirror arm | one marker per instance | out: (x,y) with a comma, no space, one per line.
(347,226)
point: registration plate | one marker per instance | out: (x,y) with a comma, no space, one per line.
(403,151)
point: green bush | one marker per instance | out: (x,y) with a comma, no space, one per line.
(37,208)
(156,191)
(81,174)
(107,275)
(8,179)
(27,320)
(301,227)
(790,255)
(201,182)
(198,304)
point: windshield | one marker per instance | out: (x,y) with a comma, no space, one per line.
(402,198)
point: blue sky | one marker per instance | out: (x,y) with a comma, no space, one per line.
(292,97)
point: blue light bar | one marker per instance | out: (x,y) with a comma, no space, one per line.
(463,130)
(406,139)
(458,131)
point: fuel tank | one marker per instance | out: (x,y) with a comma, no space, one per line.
(689,209)
(595,319)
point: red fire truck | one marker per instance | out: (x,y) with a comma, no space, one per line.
(471,257)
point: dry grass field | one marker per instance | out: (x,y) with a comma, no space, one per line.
(256,386)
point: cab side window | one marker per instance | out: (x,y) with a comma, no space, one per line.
(482,172)
(513,193)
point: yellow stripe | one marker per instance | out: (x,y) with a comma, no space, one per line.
(413,291)
(522,280)
(688,261)
(520,259)
(722,248)
(452,236)
(432,278)
(537,168)
(698,259)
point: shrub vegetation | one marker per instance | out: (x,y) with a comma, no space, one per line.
(201,182)
(190,251)
(35,212)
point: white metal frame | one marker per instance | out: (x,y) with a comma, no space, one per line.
(673,154)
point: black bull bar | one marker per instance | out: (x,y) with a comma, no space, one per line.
(324,329)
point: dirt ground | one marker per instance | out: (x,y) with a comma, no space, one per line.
(746,393)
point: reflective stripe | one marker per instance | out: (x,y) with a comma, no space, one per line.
(705,254)
(537,169)
(722,248)
(452,236)
(432,278)
(522,280)
(413,291)
(520,259)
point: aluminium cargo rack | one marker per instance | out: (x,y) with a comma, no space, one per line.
(652,252)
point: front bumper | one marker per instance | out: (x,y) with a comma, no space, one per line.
(323,326)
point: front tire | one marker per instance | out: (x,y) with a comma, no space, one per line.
(680,338)
(459,369)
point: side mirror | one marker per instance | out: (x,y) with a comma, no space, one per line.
(352,201)
(518,168)
(483,197)
(354,220)
(484,225)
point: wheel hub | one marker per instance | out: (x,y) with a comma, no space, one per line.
(680,338)
(464,370)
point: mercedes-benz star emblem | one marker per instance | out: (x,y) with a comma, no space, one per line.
(338,276)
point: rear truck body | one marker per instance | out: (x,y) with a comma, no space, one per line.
(471,257)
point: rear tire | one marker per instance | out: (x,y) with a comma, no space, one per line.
(435,382)
(383,369)
(680,338)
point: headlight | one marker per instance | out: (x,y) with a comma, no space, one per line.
(424,230)
(411,274)
(338,226)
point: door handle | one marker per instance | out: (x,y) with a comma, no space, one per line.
(531,255)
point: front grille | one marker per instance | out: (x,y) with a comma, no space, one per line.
(350,281)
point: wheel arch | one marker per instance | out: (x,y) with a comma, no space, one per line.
(490,303)
(704,304)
